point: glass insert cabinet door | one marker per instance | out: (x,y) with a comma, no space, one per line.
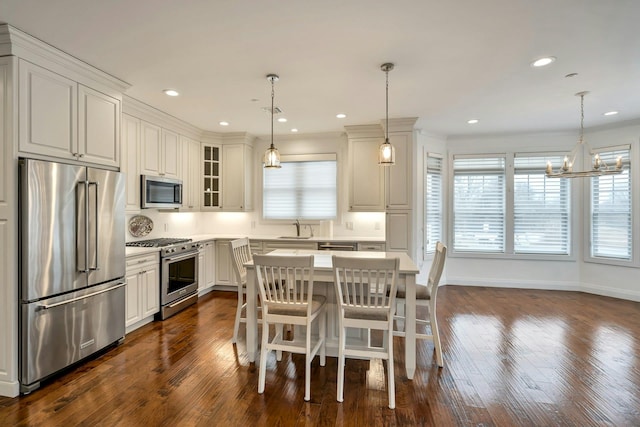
(210,177)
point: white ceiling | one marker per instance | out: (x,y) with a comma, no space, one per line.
(455,60)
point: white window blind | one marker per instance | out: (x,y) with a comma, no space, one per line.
(479,204)
(541,207)
(300,189)
(433,203)
(611,232)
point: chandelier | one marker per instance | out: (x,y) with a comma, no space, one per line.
(386,151)
(272,156)
(598,166)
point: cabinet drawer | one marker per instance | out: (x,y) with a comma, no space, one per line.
(270,246)
(256,246)
(133,261)
(378,247)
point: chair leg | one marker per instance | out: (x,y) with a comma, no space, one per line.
(435,332)
(279,336)
(341,344)
(323,337)
(307,364)
(390,371)
(262,372)
(236,325)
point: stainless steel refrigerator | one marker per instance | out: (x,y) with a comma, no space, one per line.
(72,265)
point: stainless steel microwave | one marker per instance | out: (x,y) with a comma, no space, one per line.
(160,192)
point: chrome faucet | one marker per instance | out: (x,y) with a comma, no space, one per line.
(297,224)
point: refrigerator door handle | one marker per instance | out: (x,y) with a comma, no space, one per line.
(82,227)
(49,306)
(96,216)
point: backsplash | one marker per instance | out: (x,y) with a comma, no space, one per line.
(178,224)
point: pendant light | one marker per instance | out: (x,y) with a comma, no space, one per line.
(598,167)
(386,152)
(272,156)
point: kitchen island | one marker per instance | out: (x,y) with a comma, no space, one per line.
(323,275)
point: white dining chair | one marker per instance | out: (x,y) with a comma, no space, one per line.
(426,296)
(240,251)
(286,291)
(365,291)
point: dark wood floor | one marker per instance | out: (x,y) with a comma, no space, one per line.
(512,358)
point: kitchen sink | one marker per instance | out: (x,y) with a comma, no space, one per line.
(294,237)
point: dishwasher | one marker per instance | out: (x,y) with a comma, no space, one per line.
(337,246)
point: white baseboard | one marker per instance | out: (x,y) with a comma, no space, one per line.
(552,286)
(9,388)
(521,284)
(611,292)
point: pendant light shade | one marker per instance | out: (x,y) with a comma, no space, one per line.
(272,156)
(386,151)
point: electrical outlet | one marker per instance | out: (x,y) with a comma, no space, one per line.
(166,227)
(349,225)
(253,224)
(376,226)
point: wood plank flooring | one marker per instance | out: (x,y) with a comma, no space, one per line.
(512,358)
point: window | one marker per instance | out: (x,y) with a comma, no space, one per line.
(304,188)
(611,232)
(540,208)
(479,204)
(433,202)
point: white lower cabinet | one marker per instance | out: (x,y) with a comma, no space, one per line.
(206,267)
(143,289)
(224,268)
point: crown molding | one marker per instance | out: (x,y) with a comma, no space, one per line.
(150,114)
(364,131)
(18,43)
(405,124)
(237,138)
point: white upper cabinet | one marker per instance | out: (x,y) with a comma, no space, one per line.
(61,118)
(131,155)
(171,154)
(190,174)
(366,177)
(98,127)
(237,177)
(150,149)
(48,112)
(398,182)
(210,177)
(160,151)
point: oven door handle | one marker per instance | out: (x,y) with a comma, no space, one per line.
(181,257)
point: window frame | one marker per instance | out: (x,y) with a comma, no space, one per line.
(427,252)
(290,158)
(509,252)
(634,260)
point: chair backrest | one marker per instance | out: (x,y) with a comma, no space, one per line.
(240,254)
(285,281)
(437,265)
(366,283)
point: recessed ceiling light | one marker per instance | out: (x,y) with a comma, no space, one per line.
(282,120)
(171,92)
(610,113)
(224,123)
(341,115)
(472,121)
(543,61)
(294,130)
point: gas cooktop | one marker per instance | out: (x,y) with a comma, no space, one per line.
(157,243)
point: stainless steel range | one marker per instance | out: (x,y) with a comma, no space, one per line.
(178,273)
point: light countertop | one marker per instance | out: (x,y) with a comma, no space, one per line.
(133,251)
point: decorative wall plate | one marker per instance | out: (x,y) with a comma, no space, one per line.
(140,226)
